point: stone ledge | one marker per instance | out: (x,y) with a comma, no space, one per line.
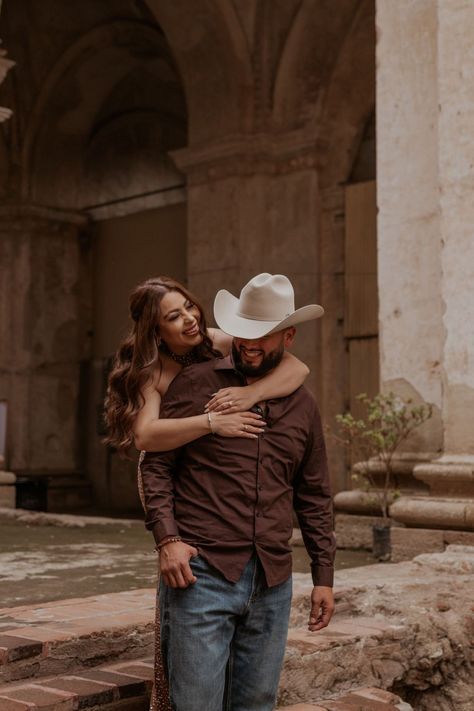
(367,699)
(410,542)
(7,478)
(63,520)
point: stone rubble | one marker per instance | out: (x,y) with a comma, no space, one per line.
(407,627)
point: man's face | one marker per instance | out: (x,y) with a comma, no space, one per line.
(257,356)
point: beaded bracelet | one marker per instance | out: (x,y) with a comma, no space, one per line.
(174,539)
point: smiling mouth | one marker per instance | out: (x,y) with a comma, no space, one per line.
(250,354)
(192,331)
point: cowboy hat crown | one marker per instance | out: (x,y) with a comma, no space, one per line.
(266,305)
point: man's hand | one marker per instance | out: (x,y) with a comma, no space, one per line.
(322,608)
(174,564)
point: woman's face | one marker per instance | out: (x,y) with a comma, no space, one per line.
(179,322)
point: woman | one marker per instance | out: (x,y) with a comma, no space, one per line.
(169,332)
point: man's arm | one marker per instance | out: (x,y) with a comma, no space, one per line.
(314,508)
(157,471)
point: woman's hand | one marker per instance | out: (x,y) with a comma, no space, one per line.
(236,399)
(239,424)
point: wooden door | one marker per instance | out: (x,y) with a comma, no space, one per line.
(361,291)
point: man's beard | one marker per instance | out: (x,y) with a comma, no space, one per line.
(269,362)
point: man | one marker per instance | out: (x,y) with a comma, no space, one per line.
(221,513)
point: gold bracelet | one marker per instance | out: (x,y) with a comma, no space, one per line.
(210,423)
(174,539)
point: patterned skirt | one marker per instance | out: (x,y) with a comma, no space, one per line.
(160,696)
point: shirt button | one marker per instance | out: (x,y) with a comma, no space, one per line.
(258,514)
(260,487)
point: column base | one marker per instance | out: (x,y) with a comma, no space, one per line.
(450,475)
(364,502)
(434,512)
(7,490)
(450,503)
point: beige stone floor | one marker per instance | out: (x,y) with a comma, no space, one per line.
(79,557)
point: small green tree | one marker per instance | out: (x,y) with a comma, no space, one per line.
(388,422)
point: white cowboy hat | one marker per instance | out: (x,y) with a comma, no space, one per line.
(266,305)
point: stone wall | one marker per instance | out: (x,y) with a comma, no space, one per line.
(45,326)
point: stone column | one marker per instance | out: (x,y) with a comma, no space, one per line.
(425,149)
(253,206)
(43,336)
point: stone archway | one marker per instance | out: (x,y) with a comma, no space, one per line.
(116,85)
(212,53)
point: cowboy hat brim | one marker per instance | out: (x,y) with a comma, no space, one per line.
(226,307)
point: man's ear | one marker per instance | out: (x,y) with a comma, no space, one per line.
(289,336)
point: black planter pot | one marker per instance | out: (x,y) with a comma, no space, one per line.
(381,544)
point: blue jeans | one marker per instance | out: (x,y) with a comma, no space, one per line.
(223,643)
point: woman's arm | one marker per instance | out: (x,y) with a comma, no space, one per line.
(285,379)
(155,435)
(220,340)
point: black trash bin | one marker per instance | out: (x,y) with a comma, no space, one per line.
(32,493)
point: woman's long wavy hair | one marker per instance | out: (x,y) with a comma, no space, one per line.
(138,357)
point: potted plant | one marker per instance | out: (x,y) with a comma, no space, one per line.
(373,440)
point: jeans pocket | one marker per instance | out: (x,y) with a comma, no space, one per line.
(194,560)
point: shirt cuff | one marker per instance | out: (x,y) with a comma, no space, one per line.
(163,529)
(322,575)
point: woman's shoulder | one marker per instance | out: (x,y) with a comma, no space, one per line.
(220,341)
(163,376)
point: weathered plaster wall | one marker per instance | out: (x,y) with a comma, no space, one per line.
(425,114)
(456,188)
(409,243)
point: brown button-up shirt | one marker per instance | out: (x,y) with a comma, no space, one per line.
(232,496)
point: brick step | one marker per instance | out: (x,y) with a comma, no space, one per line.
(65,636)
(70,636)
(124,686)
